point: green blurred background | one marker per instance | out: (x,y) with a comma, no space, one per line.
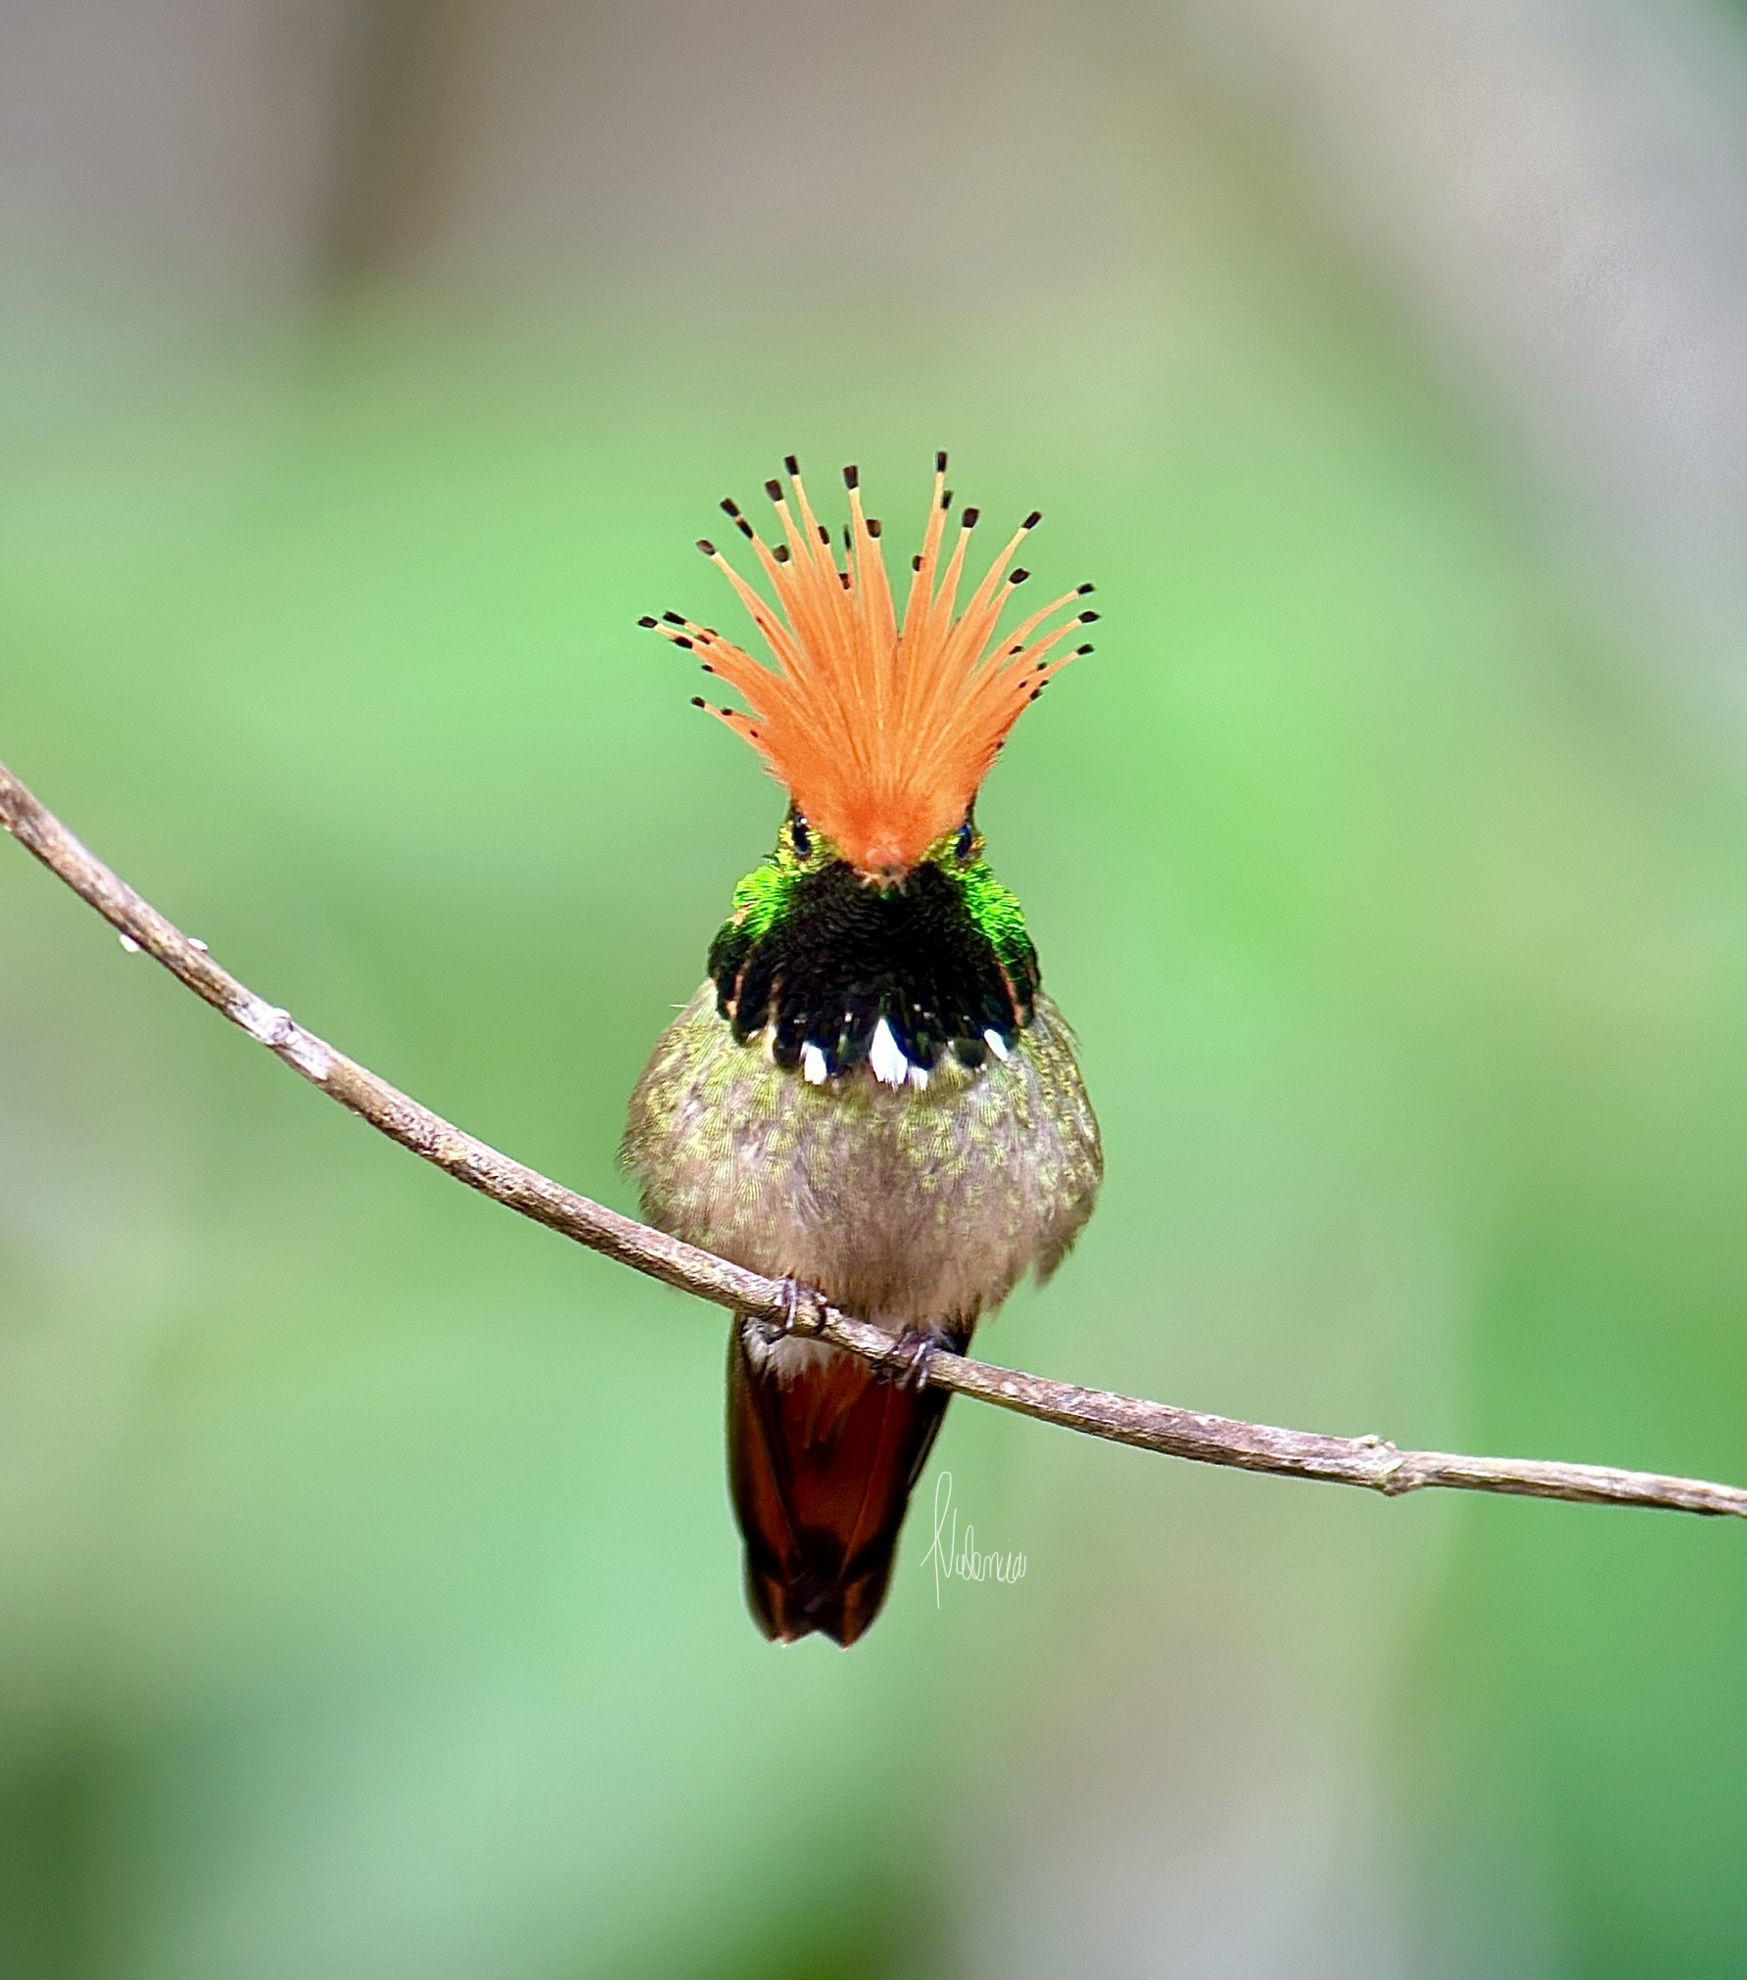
(371,1598)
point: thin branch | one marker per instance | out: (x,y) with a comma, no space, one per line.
(1365,1461)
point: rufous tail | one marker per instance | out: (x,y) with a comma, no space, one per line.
(821,1459)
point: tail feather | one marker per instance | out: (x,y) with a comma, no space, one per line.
(821,1460)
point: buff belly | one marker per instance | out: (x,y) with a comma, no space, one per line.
(911,1207)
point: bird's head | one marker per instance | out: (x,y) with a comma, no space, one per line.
(875,932)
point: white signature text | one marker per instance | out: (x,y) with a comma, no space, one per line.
(949,1556)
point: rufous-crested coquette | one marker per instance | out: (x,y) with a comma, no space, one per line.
(870,1094)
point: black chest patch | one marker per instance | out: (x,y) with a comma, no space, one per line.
(843,955)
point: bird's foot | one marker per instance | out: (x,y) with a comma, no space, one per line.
(790,1323)
(908,1367)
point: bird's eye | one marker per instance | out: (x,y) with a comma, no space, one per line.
(798,833)
(967,838)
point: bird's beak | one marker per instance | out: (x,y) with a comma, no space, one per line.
(884,874)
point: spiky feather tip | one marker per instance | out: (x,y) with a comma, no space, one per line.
(882,728)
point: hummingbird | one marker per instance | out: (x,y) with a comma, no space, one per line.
(870,1093)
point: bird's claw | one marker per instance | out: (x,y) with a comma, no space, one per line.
(785,1328)
(909,1363)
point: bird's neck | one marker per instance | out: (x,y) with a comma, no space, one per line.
(818,958)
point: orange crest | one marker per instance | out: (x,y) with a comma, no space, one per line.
(882,731)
